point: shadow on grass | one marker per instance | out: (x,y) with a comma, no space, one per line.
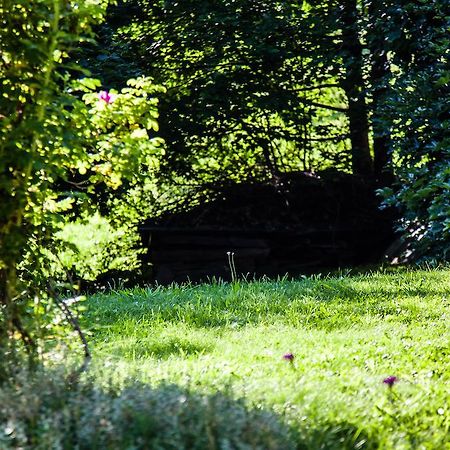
(43,411)
(160,349)
(326,303)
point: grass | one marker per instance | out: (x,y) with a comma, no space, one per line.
(346,333)
(203,368)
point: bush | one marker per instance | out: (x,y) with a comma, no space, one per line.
(46,412)
(96,247)
(62,139)
(418,111)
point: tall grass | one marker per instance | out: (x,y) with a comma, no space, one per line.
(218,349)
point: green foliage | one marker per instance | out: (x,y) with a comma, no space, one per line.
(419,110)
(259,88)
(241,102)
(41,135)
(58,139)
(45,412)
(96,247)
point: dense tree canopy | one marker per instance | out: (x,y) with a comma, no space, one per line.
(255,89)
(241,101)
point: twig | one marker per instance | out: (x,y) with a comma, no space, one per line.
(74,376)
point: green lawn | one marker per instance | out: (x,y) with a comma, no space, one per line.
(347,334)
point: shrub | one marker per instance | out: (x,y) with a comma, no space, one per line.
(60,141)
(418,111)
(95,247)
(47,412)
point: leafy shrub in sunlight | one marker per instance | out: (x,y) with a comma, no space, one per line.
(49,413)
(96,246)
(64,142)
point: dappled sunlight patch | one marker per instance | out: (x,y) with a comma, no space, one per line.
(344,344)
(137,341)
(325,304)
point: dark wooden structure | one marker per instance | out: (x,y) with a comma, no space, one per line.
(300,224)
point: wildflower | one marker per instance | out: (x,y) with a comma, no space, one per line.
(289,357)
(106,97)
(390,381)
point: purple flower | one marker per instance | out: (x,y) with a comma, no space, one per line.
(288,357)
(106,97)
(390,381)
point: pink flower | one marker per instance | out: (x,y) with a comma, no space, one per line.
(289,357)
(390,381)
(106,97)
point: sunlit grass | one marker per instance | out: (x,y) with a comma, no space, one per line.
(346,333)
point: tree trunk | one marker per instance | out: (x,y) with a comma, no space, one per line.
(379,74)
(381,132)
(353,85)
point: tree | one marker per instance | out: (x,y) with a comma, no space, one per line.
(52,127)
(241,100)
(354,86)
(379,78)
(256,89)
